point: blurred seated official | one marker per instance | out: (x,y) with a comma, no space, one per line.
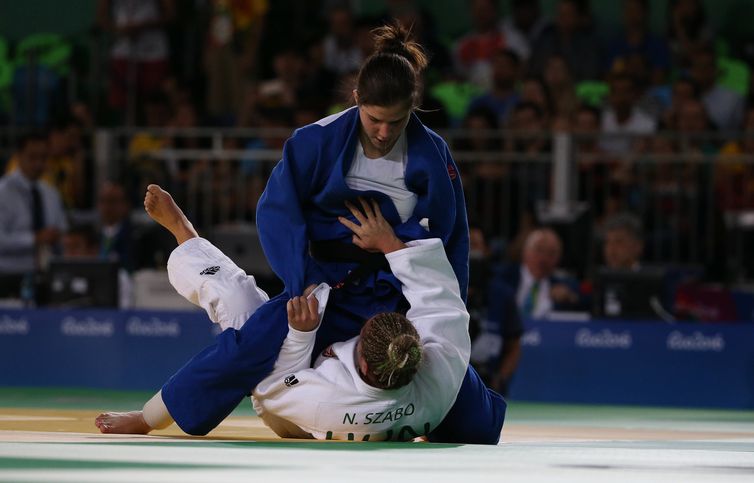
(623,244)
(115,231)
(80,241)
(495,323)
(84,243)
(32,217)
(536,288)
(623,287)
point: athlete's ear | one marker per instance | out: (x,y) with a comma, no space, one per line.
(366,376)
(363,366)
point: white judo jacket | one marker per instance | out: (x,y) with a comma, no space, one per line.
(332,401)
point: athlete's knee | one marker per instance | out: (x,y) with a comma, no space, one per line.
(231,303)
(491,438)
(195,430)
(489,424)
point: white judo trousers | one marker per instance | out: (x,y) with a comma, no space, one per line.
(206,277)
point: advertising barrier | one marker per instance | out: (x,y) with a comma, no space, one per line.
(692,365)
(98,348)
(645,363)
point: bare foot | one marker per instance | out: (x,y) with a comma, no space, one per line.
(122,423)
(161,208)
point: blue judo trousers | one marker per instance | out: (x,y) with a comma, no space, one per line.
(301,204)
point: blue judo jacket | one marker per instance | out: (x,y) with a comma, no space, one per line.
(307,190)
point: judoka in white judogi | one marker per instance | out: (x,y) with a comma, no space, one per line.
(331,400)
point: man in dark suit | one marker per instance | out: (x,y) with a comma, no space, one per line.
(533,283)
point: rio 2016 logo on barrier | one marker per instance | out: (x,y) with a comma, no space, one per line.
(11,326)
(697,342)
(87,327)
(604,339)
(152,327)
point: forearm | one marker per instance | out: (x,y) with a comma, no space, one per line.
(423,268)
(303,321)
(295,353)
(429,285)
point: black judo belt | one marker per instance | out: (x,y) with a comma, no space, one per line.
(339,252)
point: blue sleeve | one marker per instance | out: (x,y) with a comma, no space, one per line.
(280,219)
(457,246)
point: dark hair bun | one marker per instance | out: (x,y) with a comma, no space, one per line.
(395,39)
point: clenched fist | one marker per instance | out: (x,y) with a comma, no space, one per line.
(302,313)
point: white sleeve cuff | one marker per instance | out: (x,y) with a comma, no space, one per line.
(415,247)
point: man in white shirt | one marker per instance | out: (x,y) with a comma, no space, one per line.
(622,120)
(396,381)
(31,215)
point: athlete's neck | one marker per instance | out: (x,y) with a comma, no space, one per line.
(370,151)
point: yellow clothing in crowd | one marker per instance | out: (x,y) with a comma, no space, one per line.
(61,173)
